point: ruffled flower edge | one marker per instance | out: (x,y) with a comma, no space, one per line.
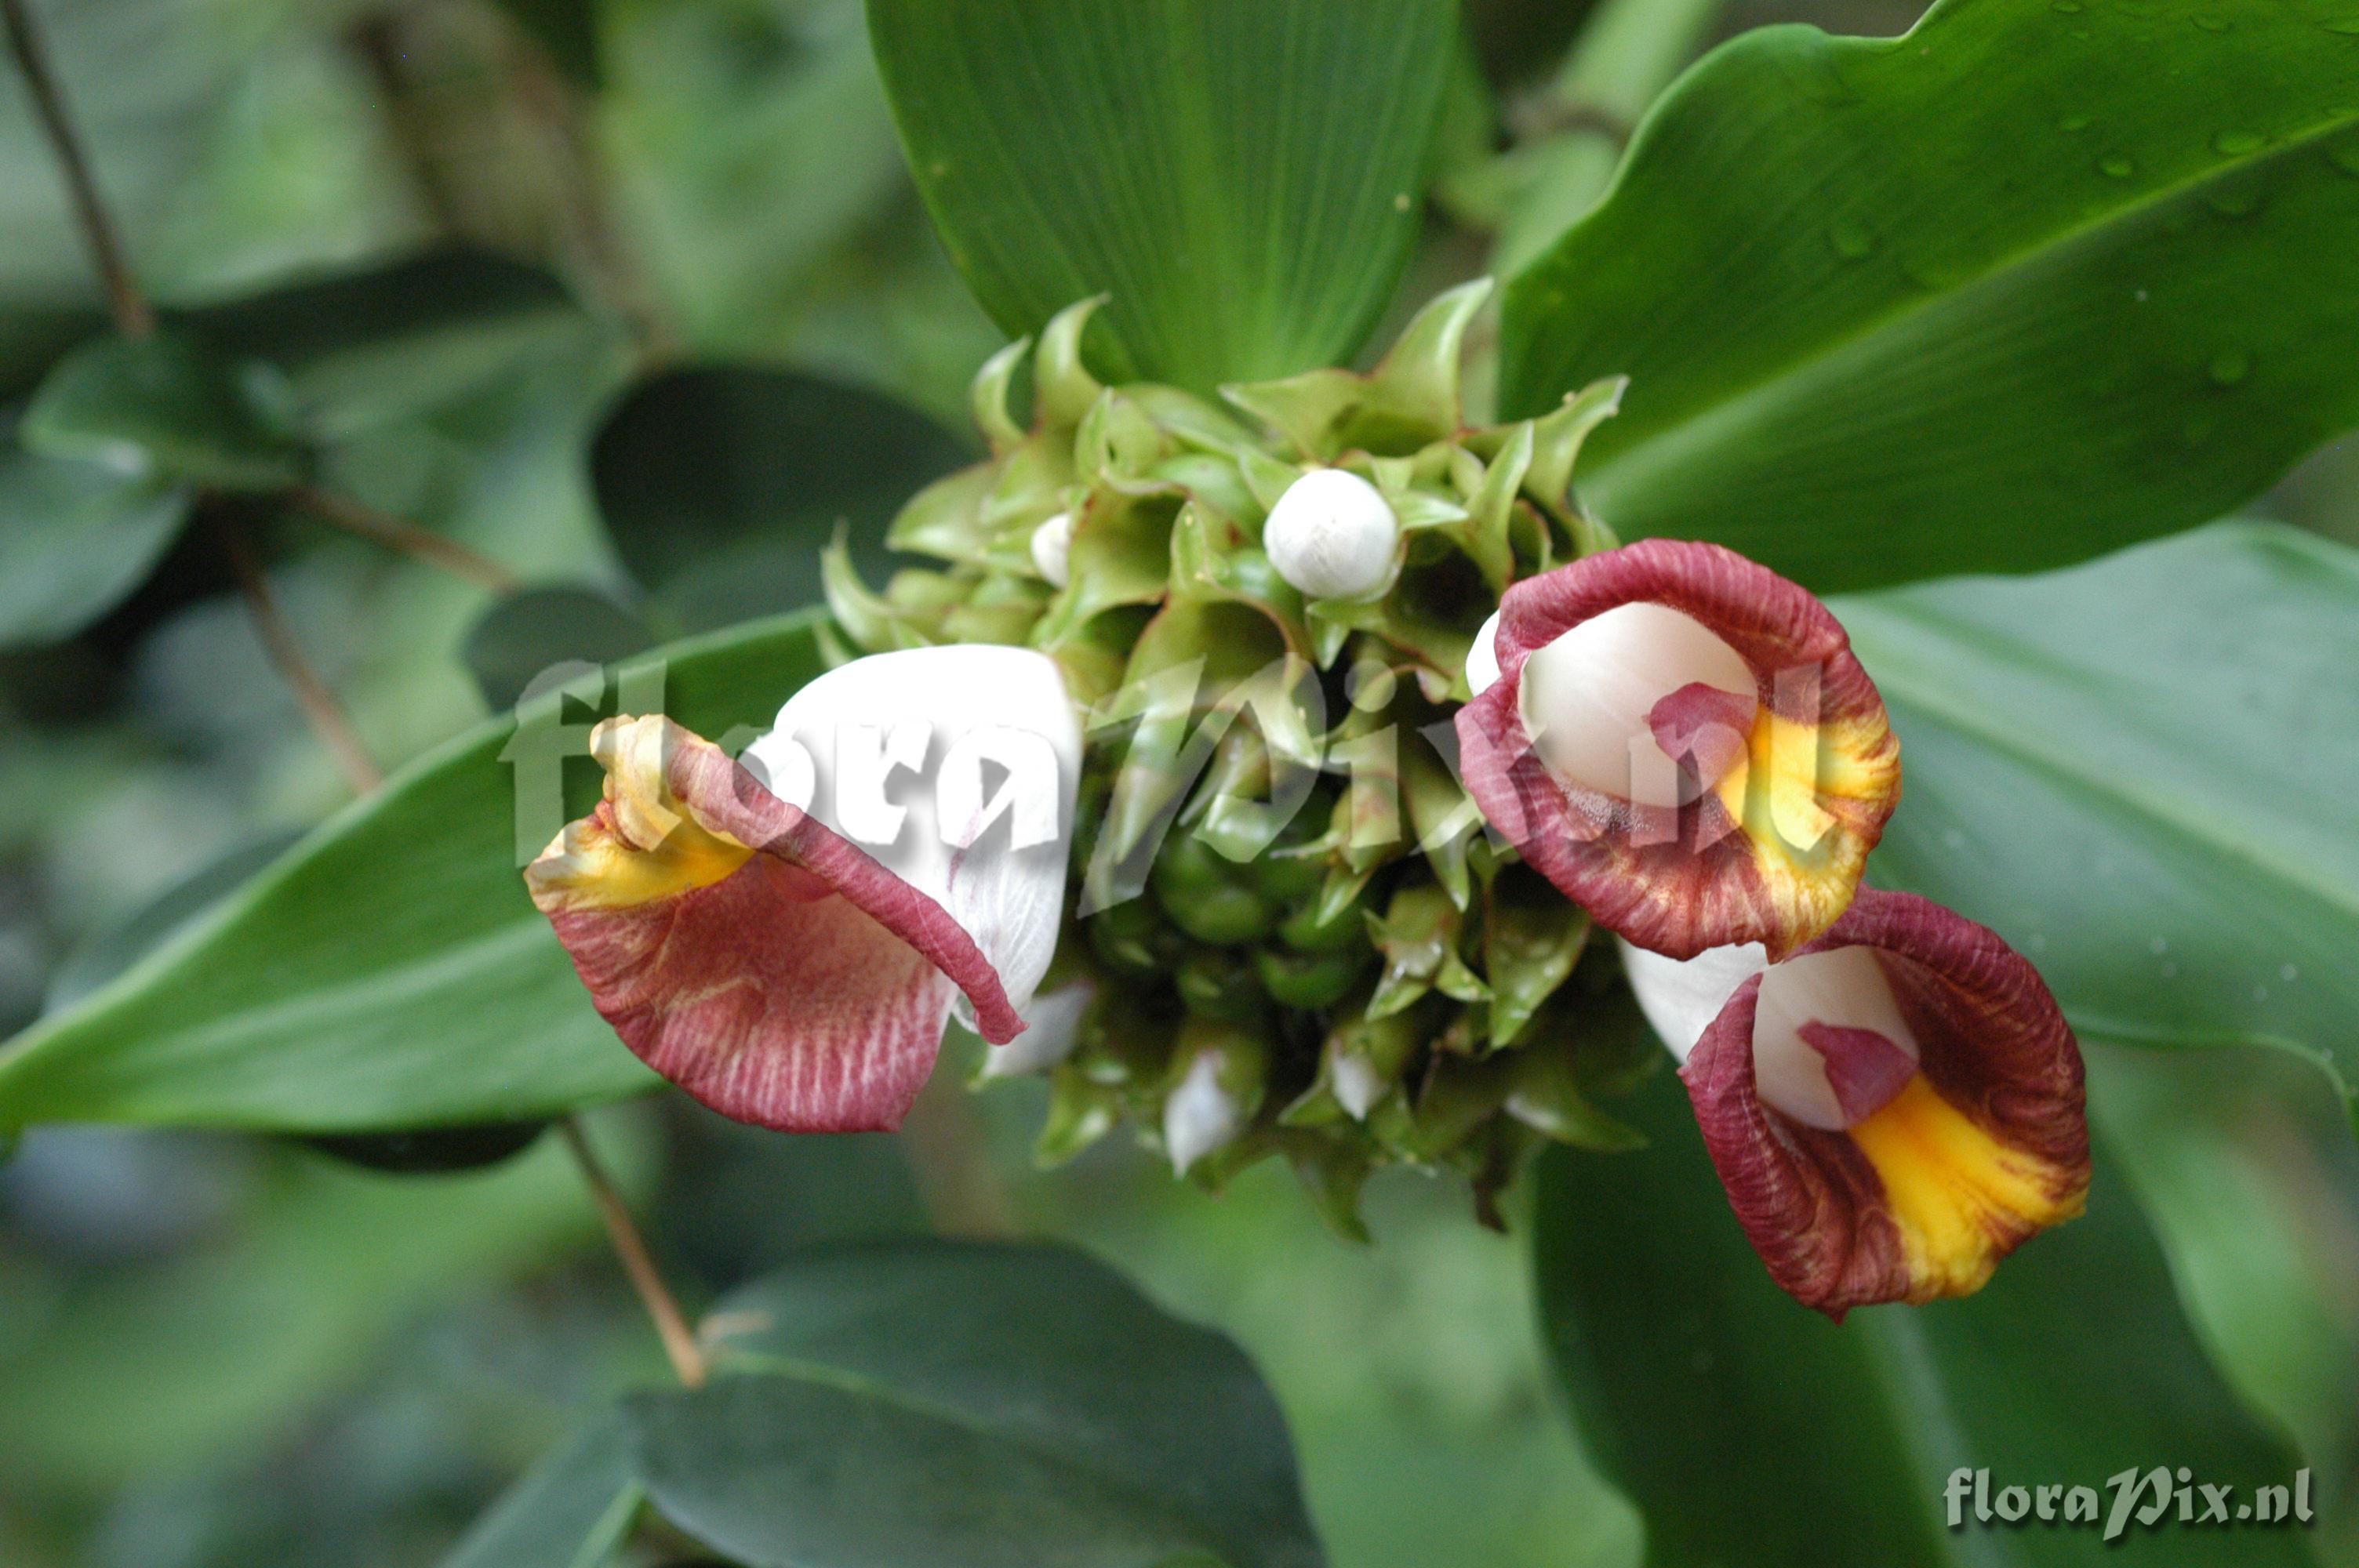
(1987,1145)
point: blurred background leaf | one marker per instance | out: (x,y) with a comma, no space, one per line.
(721,483)
(931,1402)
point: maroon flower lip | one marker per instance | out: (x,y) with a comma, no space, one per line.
(771,969)
(1945,1126)
(1683,742)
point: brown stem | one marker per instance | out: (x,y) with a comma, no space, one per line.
(286,653)
(133,315)
(343,512)
(671,1325)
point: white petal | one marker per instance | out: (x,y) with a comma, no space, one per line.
(1357,1084)
(1846,987)
(1587,697)
(1681,997)
(1200,1115)
(874,736)
(1332,536)
(1483,658)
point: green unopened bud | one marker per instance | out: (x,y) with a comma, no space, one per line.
(1218,1079)
(1312,981)
(1216,983)
(1205,897)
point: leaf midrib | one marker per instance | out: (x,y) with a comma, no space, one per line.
(1697,426)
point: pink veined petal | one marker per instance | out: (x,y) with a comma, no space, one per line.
(806,990)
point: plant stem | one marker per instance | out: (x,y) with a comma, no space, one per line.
(134,317)
(353,517)
(286,653)
(671,1325)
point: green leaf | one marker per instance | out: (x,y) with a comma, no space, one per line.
(721,483)
(2035,281)
(2138,771)
(1243,179)
(938,1401)
(525,634)
(216,1354)
(168,410)
(76,537)
(363,350)
(569,1511)
(1745,1425)
(389,972)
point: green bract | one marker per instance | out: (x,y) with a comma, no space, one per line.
(1277,872)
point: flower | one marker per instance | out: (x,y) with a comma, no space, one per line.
(783,940)
(1893,1108)
(1683,742)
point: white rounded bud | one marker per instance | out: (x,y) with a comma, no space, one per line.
(1483,658)
(1052,549)
(1332,536)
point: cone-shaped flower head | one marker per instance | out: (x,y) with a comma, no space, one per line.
(1893,1110)
(1332,536)
(1682,742)
(787,940)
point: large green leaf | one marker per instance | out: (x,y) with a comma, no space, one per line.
(1243,178)
(2037,280)
(2140,771)
(389,972)
(1750,1430)
(984,1405)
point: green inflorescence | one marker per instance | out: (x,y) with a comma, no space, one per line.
(1280,886)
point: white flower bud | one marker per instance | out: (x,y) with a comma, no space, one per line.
(1483,658)
(1332,536)
(1052,549)
(1200,1115)
(1357,1084)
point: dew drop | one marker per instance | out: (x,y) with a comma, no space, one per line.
(1850,240)
(2073,123)
(2231,366)
(2343,25)
(1954,839)
(2235,143)
(2234,203)
(2213,24)
(2345,157)
(2117,166)
(2287,972)
(2158,946)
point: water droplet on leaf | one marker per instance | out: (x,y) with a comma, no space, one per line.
(2073,123)
(1850,241)
(2231,366)
(2117,166)
(2237,143)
